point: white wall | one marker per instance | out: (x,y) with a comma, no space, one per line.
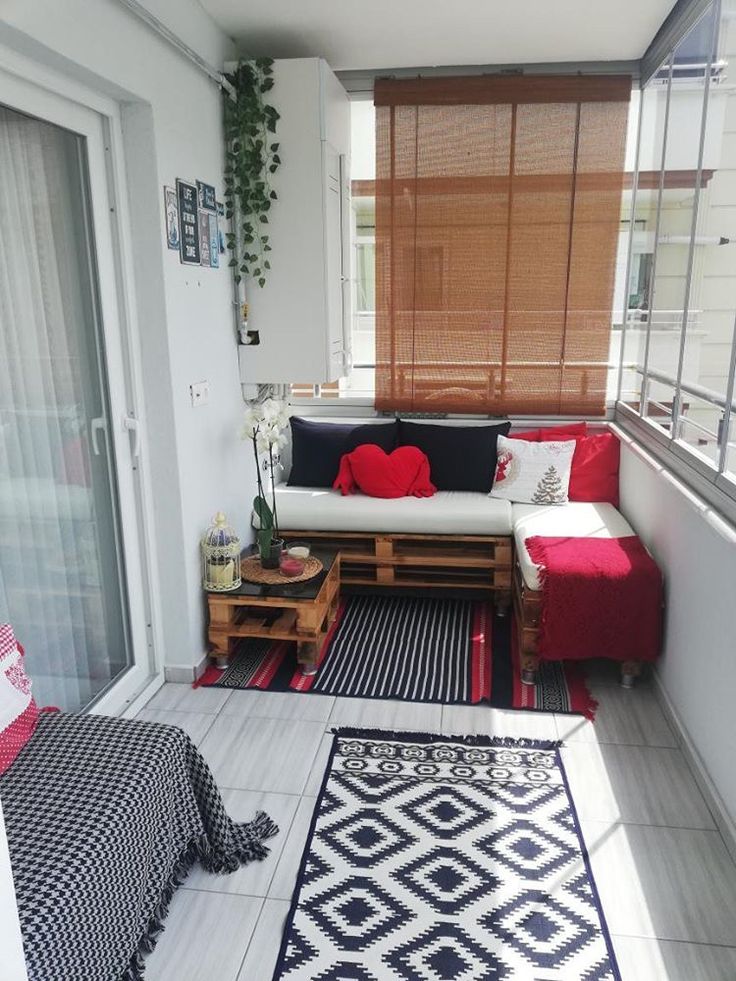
(172,128)
(697,551)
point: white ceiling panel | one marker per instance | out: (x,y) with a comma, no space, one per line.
(414,33)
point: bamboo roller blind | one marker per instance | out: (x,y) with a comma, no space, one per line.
(498,206)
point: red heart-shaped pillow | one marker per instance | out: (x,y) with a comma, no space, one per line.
(402,473)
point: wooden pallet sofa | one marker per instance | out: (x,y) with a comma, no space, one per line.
(454,540)
(479,556)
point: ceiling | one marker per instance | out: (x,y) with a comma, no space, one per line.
(417,33)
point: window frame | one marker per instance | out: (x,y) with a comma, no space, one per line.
(710,479)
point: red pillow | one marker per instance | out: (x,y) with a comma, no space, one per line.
(574,430)
(403,473)
(594,475)
(18,711)
(529,436)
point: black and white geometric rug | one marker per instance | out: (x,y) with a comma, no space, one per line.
(433,858)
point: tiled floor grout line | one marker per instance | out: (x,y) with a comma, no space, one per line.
(617,822)
(567,741)
(206,733)
(148,707)
(222,892)
(252,936)
(683,758)
(703,797)
(285,842)
(672,940)
(259,790)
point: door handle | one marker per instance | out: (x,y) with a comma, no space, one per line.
(96,425)
(131,425)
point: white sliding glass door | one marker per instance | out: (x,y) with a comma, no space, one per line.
(68,518)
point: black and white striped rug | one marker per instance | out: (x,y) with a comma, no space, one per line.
(421,650)
(412,648)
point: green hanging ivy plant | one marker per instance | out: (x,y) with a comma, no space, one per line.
(252,157)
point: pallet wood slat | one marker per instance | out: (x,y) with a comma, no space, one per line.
(419,558)
(242,631)
(527,607)
(284,622)
(481,562)
(344,536)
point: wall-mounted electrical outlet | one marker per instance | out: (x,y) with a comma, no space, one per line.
(200,393)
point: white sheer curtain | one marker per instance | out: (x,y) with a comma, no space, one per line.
(57,539)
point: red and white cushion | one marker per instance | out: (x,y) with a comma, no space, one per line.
(18,711)
(533,473)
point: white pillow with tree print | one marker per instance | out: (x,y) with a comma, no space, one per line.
(533,473)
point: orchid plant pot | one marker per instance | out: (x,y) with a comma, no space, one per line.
(263,427)
(271,553)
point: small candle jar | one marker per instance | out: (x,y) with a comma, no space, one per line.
(298,550)
(290,566)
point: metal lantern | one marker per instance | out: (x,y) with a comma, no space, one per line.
(220,557)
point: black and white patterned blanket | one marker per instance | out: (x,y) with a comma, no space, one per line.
(104,818)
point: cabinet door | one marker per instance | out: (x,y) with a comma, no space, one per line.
(334,263)
(346,232)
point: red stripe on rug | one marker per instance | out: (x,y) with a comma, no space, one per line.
(525,696)
(303,682)
(480,656)
(209,677)
(270,665)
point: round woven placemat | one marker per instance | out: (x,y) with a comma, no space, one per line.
(252,570)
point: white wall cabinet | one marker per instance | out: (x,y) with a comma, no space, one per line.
(302,313)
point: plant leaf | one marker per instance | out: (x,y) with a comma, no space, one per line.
(263,513)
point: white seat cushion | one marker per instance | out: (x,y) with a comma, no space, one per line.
(446,513)
(575,519)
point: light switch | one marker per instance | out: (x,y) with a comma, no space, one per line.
(200,393)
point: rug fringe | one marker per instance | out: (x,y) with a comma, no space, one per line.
(582,701)
(403,736)
(214,860)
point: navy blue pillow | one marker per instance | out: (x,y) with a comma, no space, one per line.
(317,447)
(461,458)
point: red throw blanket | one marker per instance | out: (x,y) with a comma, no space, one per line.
(601,597)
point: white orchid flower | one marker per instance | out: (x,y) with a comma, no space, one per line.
(264,424)
(269,410)
(273,436)
(251,422)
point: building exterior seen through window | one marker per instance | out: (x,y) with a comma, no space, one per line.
(675,292)
(678,347)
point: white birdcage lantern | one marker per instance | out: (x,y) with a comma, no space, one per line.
(220,557)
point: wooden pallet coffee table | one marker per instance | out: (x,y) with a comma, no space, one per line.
(301,612)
